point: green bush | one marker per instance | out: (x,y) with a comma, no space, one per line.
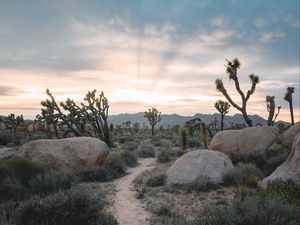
(93,175)
(165,220)
(251,210)
(164,214)
(130,146)
(193,142)
(267,162)
(7,213)
(51,181)
(146,150)
(155,140)
(114,167)
(77,206)
(21,178)
(201,184)
(129,158)
(21,170)
(165,155)
(164,210)
(243,174)
(151,178)
(288,191)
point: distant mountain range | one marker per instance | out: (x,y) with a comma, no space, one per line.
(175,119)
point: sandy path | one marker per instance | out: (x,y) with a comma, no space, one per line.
(127,209)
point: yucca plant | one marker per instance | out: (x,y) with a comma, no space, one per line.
(183,140)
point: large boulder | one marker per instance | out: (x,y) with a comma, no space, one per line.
(76,153)
(289,170)
(226,141)
(289,135)
(198,167)
(245,142)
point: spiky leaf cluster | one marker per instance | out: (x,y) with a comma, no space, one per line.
(289,92)
(222,107)
(153,116)
(13,122)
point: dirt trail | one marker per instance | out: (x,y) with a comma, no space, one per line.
(127,209)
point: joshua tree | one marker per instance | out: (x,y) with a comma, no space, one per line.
(48,116)
(288,97)
(223,108)
(93,112)
(96,113)
(271,109)
(231,70)
(12,123)
(153,117)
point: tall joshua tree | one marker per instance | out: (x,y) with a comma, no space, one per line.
(93,112)
(271,109)
(231,70)
(289,98)
(153,117)
(223,108)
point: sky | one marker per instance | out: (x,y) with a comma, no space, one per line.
(147,53)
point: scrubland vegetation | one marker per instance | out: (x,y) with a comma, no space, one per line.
(35,194)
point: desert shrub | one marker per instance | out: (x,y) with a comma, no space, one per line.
(113,167)
(52,181)
(74,207)
(151,178)
(164,214)
(267,162)
(164,210)
(92,175)
(8,139)
(155,140)
(251,210)
(164,143)
(15,178)
(7,214)
(130,146)
(19,169)
(129,158)
(287,190)
(165,152)
(193,142)
(165,220)
(243,174)
(165,155)
(146,150)
(124,139)
(48,181)
(140,192)
(201,184)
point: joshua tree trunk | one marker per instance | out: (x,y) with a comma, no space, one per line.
(270,120)
(152,130)
(106,133)
(292,111)
(246,118)
(55,129)
(222,121)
